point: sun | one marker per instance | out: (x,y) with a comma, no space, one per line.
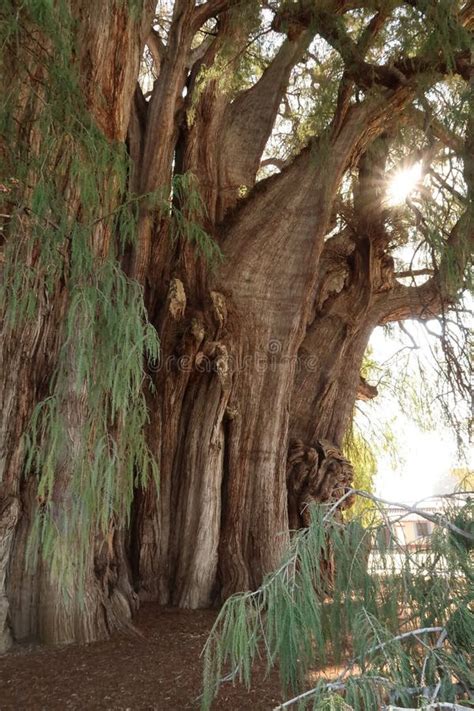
(403,183)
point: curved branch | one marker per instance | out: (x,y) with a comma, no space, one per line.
(389,75)
(224,143)
(431,298)
(277,162)
(366,391)
(201,50)
(249,119)
(157,48)
(420,120)
(209,9)
(302,194)
(416,302)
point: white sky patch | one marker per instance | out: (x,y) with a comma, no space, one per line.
(423,469)
(423,460)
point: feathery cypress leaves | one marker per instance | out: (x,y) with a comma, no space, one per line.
(66,196)
(397,622)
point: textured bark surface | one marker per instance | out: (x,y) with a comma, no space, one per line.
(107,59)
(318,474)
(260,353)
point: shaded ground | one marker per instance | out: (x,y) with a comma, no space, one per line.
(159,671)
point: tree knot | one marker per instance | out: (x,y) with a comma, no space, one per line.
(176,299)
(219,307)
(315,474)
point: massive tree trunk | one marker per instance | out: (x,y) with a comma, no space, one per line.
(260,352)
(223,448)
(39,606)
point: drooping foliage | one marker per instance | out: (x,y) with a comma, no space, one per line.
(59,197)
(395,621)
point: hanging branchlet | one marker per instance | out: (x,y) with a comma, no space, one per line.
(66,217)
(396,621)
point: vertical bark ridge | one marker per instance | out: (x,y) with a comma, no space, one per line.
(106,63)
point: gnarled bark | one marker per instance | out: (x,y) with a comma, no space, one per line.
(107,57)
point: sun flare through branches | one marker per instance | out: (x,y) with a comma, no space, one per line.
(403,183)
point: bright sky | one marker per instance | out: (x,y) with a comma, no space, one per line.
(424,458)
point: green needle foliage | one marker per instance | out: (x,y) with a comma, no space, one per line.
(66,193)
(398,622)
(186,220)
(67,218)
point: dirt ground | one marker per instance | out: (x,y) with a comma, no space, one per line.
(160,671)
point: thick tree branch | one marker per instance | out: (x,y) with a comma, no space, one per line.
(346,85)
(416,302)
(212,8)
(161,131)
(433,297)
(135,134)
(312,171)
(224,142)
(326,23)
(422,121)
(294,19)
(366,391)
(157,48)
(423,302)
(249,120)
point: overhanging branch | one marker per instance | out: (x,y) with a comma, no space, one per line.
(420,120)
(157,48)
(389,75)
(211,8)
